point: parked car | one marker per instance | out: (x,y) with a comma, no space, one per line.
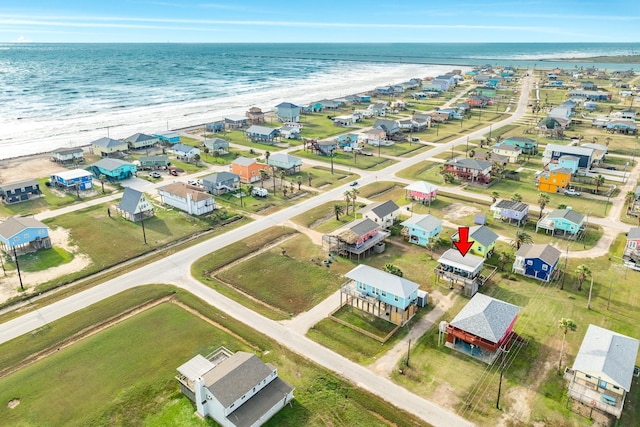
(173,172)
(571,192)
(155,175)
(354,183)
(192,182)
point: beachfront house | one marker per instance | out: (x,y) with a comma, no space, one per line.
(470,170)
(154,162)
(553,180)
(24,234)
(187,198)
(632,247)
(383,213)
(421,229)
(72,180)
(566,222)
(185,152)
(168,137)
(461,270)
(113,169)
(288,112)
(222,182)
(508,210)
(217,145)
(67,155)
(381,294)
(483,238)
(483,328)
(537,261)
(236,121)
(255,116)
(285,162)
(20,191)
(108,147)
(421,191)
(234,389)
(527,145)
(215,126)
(603,371)
(257,133)
(247,169)
(134,205)
(138,141)
(379,108)
(359,237)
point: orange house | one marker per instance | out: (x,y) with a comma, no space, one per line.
(551,181)
(247,169)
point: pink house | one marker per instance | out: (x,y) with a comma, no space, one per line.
(421,191)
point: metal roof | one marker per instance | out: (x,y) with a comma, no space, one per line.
(221,177)
(580,151)
(19,184)
(607,355)
(67,150)
(261,130)
(470,163)
(196,367)
(382,280)
(111,164)
(283,158)
(139,137)
(380,209)
(568,214)
(467,263)
(513,206)
(425,222)
(107,142)
(481,234)
(244,161)
(546,253)
(181,189)
(422,187)
(486,317)
(72,174)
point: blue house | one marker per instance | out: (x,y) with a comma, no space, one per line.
(18,232)
(215,126)
(528,145)
(169,137)
(385,90)
(261,133)
(420,229)
(566,162)
(113,169)
(381,294)
(537,261)
(555,151)
(562,221)
(69,179)
(19,191)
(288,112)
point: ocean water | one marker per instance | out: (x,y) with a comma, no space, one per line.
(54,95)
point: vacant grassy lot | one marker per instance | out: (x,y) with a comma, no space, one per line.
(43,259)
(347,159)
(124,375)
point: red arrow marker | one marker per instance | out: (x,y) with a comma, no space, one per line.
(463,244)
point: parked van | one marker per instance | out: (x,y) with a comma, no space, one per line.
(260,192)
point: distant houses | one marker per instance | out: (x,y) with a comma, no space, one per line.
(285,162)
(108,147)
(221,182)
(140,141)
(470,170)
(65,155)
(217,145)
(113,169)
(263,134)
(383,213)
(288,112)
(185,152)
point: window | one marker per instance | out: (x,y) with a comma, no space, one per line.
(545,267)
(396,298)
(384,294)
(529,262)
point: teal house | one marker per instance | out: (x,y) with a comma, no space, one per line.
(113,169)
(169,137)
(562,221)
(567,162)
(420,229)
(528,145)
(381,294)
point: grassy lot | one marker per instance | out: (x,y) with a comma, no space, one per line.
(348,159)
(322,178)
(124,375)
(456,380)
(423,171)
(43,259)
(273,202)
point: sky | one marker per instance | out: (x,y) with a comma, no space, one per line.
(250,21)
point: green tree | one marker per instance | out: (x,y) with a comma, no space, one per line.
(283,175)
(598,181)
(102,178)
(390,268)
(263,176)
(504,258)
(196,159)
(566,325)
(583,271)
(249,189)
(284,192)
(543,199)
(337,210)
(494,196)
(347,198)
(299,182)
(629,198)
(354,196)
(521,238)
(309,176)
(516,197)
(449,178)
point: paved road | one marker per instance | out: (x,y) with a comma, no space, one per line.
(175,269)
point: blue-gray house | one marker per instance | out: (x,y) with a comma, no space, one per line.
(17,232)
(381,294)
(261,133)
(420,229)
(537,261)
(288,112)
(19,191)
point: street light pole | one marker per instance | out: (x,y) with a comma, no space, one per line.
(144,234)
(331,155)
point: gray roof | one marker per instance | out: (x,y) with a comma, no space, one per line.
(608,355)
(196,367)
(568,214)
(221,177)
(111,164)
(67,150)
(569,157)
(16,224)
(570,149)
(426,222)
(470,163)
(481,234)
(486,317)
(244,161)
(382,280)
(507,147)
(19,184)
(182,147)
(139,137)
(283,158)
(513,206)
(216,143)
(286,105)
(261,130)
(634,233)
(235,376)
(107,142)
(421,186)
(546,253)
(158,158)
(380,209)
(468,262)
(253,411)
(362,226)
(130,199)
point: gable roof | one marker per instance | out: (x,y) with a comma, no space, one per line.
(107,142)
(19,184)
(481,234)
(139,137)
(183,148)
(608,355)
(520,139)
(568,214)
(16,224)
(221,177)
(235,376)
(380,209)
(130,199)
(286,105)
(181,189)
(422,187)
(244,161)
(216,142)
(511,205)
(569,149)
(111,164)
(470,163)
(382,280)
(72,174)
(261,130)
(67,150)
(425,222)
(467,263)
(486,317)
(634,233)
(547,253)
(352,231)
(284,158)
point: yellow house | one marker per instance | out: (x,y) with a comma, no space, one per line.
(551,181)
(509,151)
(105,147)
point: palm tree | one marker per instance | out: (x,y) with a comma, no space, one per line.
(266,157)
(284,192)
(598,181)
(299,182)
(249,189)
(283,175)
(347,197)
(494,196)
(337,209)
(629,198)
(521,238)
(516,197)
(543,199)
(309,176)
(263,175)
(354,196)
(583,272)
(566,325)
(102,178)
(504,258)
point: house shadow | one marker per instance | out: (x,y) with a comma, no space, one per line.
(156,225)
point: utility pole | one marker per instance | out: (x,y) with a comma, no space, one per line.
(15,255)
(409,352)
(502,363)
(144,234)
(331,155)
(610,287)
